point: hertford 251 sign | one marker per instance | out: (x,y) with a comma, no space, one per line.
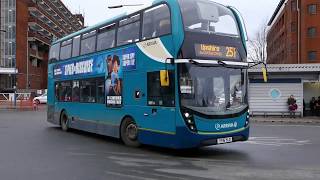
(214,51)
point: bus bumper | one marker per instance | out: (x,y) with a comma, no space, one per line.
(185,139)
(189,139)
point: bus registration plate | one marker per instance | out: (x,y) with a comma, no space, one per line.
(224,140)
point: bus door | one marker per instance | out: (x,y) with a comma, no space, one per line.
(160,110)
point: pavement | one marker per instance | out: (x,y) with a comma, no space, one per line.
(286,120)
(5,106)
(31,148)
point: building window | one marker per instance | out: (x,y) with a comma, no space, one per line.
(293,27)
(293,5)
(312,32)
(312,55)
(312,9)
(156,22)
(293,48)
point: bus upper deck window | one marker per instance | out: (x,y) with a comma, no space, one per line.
(156,22)
(88,43)
(54,53)
(106,40)
(128,33)
(65,51)
(76,46)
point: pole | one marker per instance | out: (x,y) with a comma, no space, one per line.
(124,5)
(15,94)
(27,83)
(299,31)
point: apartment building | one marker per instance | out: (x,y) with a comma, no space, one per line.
(29,26)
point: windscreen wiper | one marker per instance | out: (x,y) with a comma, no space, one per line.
(217,63)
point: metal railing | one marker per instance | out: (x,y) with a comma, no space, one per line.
(9,97)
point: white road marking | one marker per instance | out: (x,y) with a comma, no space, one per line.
(286,125)
(144,162)
(127,175)
(158,175)
(276,141)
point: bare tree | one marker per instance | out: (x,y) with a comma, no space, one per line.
(257,46)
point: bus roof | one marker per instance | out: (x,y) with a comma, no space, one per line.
(109,20)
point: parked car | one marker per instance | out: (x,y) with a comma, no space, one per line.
(41,99)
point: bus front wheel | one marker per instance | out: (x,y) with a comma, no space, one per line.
(64,121)
(129,133)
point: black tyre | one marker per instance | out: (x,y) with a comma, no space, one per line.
(64,121)
(129,133)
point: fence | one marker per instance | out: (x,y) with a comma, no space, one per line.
(23,101)
(9,97)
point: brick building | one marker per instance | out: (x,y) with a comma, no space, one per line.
(294,33)
(30,26)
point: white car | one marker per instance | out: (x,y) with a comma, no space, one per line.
(41,99)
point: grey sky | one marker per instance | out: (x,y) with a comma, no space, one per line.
(255,12)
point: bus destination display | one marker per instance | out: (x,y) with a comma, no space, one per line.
(214,51)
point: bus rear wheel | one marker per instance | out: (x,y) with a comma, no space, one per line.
(129,133)
(64,121)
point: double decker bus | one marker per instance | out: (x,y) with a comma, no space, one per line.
(171,75)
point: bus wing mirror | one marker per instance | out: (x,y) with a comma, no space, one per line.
(265,74)
(164,78)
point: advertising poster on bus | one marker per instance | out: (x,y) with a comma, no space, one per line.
(117,62)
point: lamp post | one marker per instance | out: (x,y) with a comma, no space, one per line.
(124,5)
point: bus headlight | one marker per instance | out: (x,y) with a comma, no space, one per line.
(189,120)
(248,119)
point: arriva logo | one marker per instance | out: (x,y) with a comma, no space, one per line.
(226,126)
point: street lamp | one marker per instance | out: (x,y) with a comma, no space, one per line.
(124,5)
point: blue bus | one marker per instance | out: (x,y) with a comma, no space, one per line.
(171,75)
